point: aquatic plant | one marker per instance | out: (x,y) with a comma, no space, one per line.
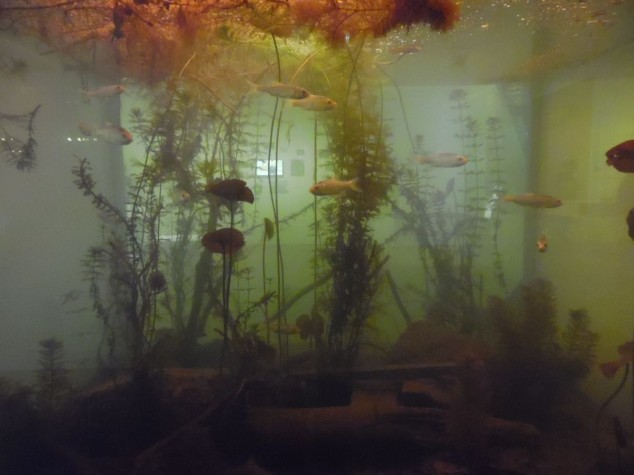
(52,381)
(130,255)
(448,225)
(451,295)
(193,140)
(609,370)
(269,233)
(149,39)
(272,163)
(494,147)
(468,236)
(356,141)
(250,352)
(226,242)
(535,366)
(12,67)
(19,152)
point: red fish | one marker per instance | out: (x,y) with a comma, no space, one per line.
(630,223)
(621,156)
(232,189)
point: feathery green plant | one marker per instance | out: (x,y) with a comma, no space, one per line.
(129,255)
(52,381)
(18,152)
(535,366)
(355,131)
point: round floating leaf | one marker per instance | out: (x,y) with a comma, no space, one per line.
(224,241)
(233,189)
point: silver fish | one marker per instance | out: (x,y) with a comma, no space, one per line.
(332,186)
(315,103)
(104,91)
(406,49)
(109,133)
(278,89)
(534,200)
(542,243)
(443,160)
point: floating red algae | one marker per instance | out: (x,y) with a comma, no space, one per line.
(223,241)
(233,189)
(440,15)
(338,21)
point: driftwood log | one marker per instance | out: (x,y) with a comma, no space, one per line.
(373,414)
(423,404)
(413,409)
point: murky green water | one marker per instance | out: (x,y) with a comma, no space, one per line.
(468,213)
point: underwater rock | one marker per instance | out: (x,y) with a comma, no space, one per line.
(426,342)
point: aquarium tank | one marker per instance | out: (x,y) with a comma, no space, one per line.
(316,237)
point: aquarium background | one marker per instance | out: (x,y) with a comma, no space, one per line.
(534,95)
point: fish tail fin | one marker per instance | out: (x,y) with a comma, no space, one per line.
(508,198)
(354,185)
(86,129)
(253,87)
(494,198)
(85,95)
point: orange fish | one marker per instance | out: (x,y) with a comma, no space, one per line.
(542,243)
(109,133)
(626,351)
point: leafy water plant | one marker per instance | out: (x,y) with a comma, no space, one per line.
(129,255)
(13,67)
(226,242)
(18,152)
(358,149)
(536,366)
(495,142)
(193,140)
(448,224)
(52,378)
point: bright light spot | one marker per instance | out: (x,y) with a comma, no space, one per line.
(69,139)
